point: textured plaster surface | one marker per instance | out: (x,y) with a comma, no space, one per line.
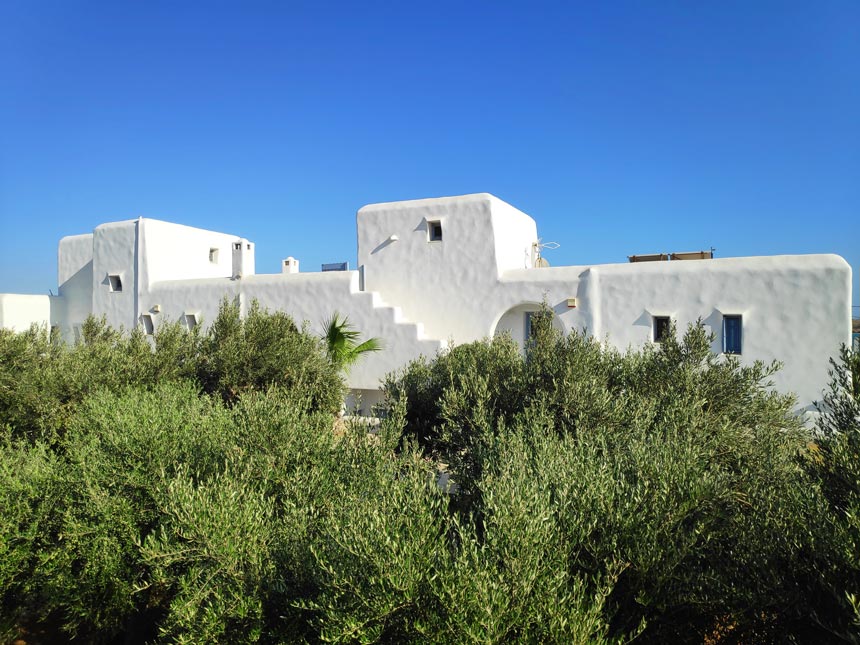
(447,285)
(75,280)
(175,252)
(18,312)
(796,309)
(311,297)
(115,252)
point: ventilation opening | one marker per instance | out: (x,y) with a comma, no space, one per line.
(661,328)
(190,321)
(148,324)
(213,255)
(434,231)
(115,282)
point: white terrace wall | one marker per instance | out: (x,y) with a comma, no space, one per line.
(311,297)
(316,296)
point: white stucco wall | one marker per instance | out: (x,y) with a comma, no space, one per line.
(75,280)
(115,252)
(18,312)
(74,258)
(796,309)
(553,285)
(448,285)
(174,299)
(515,235)
(311,297)
(243,258)
(513,322)
(175,252)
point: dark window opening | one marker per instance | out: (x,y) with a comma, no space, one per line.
(732,334)
(190,321)
(661,328)
(434,231)
(115,282)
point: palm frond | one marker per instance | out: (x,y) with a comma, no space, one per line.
(342,341)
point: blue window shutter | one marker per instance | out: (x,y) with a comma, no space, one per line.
(732,334)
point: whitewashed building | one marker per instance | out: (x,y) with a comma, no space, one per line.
(433,271)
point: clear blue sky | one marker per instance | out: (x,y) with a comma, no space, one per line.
(621,127)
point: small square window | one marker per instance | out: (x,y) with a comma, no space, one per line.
(434,231)
(190,321)
(148,324)
(661,328)
(115,282)
(238,246)
(732,334)
(213,255)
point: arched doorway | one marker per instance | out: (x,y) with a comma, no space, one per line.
(516,321)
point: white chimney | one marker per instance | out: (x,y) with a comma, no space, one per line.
(243,258)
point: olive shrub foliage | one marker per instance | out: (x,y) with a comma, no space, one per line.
(836,465)
(677,478)
(198,489)
(43,381)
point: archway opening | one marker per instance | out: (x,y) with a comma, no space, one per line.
(516,322)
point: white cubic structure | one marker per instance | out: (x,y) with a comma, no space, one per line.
(433,271)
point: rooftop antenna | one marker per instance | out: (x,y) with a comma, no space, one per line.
(539,246)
